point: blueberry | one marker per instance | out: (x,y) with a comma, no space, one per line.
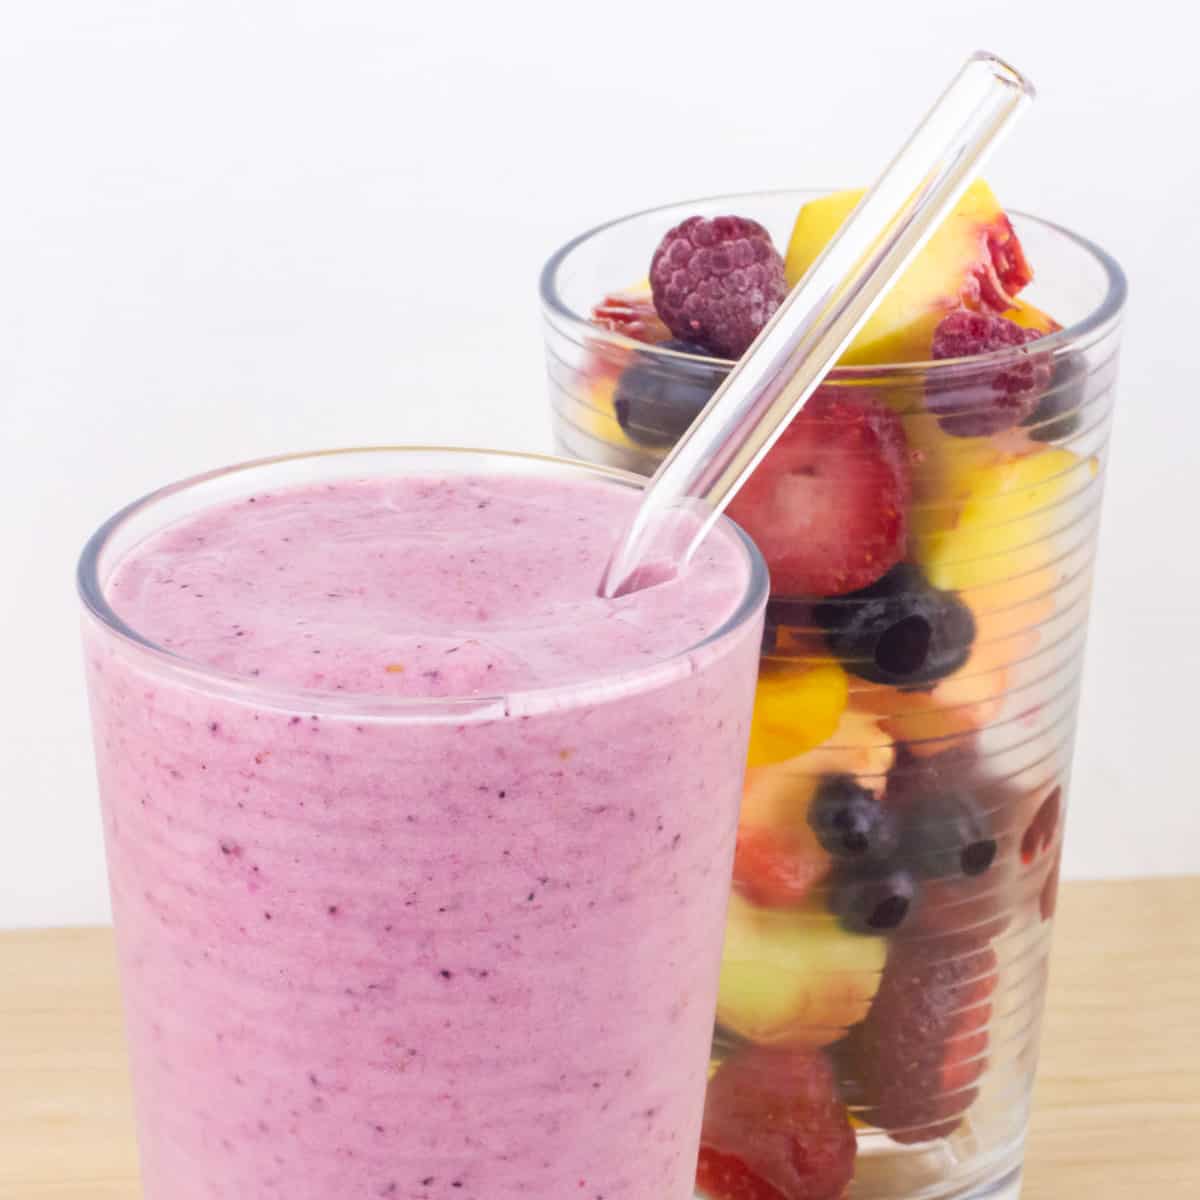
(849,821)
(873,901)
(946,834)
(1057,414)
(658,397)
(899,631)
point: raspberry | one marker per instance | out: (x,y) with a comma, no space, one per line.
(828,506)
(775,1129)
(717,282)
(979,402)
(921,1049)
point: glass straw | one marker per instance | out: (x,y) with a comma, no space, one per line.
(817,321)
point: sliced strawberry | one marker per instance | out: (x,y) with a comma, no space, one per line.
(828,506)
(775,1129)
(922,1048)
(633,314)
(777,868)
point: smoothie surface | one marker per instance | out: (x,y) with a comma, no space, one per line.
(418,587)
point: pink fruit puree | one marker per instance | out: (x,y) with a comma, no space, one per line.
(419,951)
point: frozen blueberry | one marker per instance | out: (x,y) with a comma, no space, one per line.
(658,396)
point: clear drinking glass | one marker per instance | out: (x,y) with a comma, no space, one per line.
(377,947)
(918,981)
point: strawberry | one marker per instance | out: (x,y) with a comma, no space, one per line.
(828,506)
(921,1049)
(775,1129)
(777,868)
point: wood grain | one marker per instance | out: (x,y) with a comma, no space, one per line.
(1116,1114)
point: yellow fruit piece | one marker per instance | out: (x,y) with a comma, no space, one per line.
(944,469)
(795,977)
(1003,530)
(778,795)
(1028,316)
(795,708)
(944,276)
(856,747)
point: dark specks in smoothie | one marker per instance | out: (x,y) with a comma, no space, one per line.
(230,848)
(294,721)
(332,910)
(446,974)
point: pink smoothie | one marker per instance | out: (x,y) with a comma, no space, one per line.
(384,947)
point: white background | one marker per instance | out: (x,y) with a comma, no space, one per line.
(237,227)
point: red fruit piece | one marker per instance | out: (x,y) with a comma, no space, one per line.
(921,1049)
(1040,831)
(775,1129)
(633,314)
(828,506)
(1007,270)
(777,868)
(717,281)
(976,402)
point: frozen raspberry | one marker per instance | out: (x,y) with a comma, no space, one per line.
(717,282)
(978,402)
(921,1050)
(775,1129)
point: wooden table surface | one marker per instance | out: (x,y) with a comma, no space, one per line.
(1117,1113)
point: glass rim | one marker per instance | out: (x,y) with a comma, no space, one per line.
(90,589)
(1088,329)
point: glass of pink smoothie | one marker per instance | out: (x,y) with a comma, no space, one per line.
(419,851)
